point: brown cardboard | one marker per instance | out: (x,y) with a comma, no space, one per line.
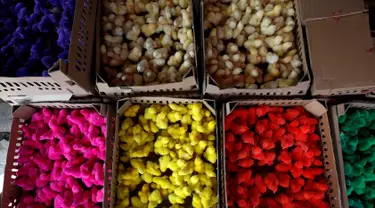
(65,80)
(124,104)
(339,58)
(188,83)
(10,197)
(316,109)
(334,112)
(210,86)
(325,9)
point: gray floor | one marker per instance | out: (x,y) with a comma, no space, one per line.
(5,125)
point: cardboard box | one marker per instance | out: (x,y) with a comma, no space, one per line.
(212,88)
(11,193)
(124,104)
(66,80)
(340,46)
(317,110)
(334,112)
(188,83)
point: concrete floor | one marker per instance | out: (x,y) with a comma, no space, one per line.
(5,125)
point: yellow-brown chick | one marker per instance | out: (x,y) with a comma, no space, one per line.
(137,203)
(127,123)
(144,123)
(132,111)
(151,112)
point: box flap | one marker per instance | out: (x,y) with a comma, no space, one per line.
(325,9)
(315,108)
(337,61)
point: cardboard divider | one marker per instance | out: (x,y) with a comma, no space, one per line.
(124,104)
(328,157)
(66,80)
(330,26)
(189,81)
(211,87)
(21,115)
(334,112)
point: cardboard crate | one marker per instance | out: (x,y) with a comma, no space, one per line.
(317,110)
(188,83)
(66,80)
(212,88)
(334,112)
(340,46)
(124,104)
(21,115)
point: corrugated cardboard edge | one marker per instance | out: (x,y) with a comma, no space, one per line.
(10,197)
(335,111)
(124,104)
(342,91)
(316,109)
(189,81)
(210,87)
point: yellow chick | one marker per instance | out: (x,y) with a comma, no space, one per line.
(180,108)
(161,119)
(147,177)
(130,174)
(132,111)
(161,145)
(209,170)
(144,193)
(174,199)
(123,192)
(122,203)
(194,181)
(163,182)
(210,154)
(137,203)
(184,155)
(211,137)
(188,149)
(194,137)
(163,162)
(210,126)
(127,123)
(182,192)
(199,149)
(151,112)
(188,169)
(207,113)
(153,168)
(197,201)
(141,151)
(153,128)
(198,165)
(139,165)
(186,119)
(176,179)
(205,180)
(121,133)
(155,198)
(174,116)
(173,165)
(197,113)
(144,123)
